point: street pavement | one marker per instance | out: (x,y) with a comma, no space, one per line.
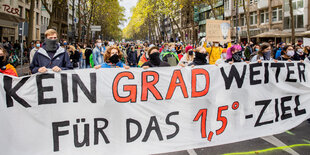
(23,70)
(293,142)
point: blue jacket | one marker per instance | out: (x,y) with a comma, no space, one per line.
(110,65)
(41,59)
(278,53)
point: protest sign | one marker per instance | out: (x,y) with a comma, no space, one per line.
(306,42)
(136,111)
(218,30)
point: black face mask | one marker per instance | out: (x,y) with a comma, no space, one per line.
(190,52)
(51,45)
(154,58)
(114,59)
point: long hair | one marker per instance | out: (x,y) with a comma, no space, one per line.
(107,54)
(5,53)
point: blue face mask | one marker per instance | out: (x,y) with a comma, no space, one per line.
(38,45)
(173,50)
(65,44)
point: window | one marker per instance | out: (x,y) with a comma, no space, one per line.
(242,20)
(253,18)
(262,17)
(37,18)
(297,4)
(226,4)
(37,3)
(42,20)
(276,14)
(298,21)
(20,11)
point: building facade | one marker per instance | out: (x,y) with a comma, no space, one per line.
(269,17)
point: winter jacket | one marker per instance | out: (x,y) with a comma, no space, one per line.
(214,53)
(132,57)
(162,64)
(42,59)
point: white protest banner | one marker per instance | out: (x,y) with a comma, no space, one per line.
(136,111)
(306,42)
(218,30)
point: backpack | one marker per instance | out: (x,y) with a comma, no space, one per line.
(171,58)
(91,61)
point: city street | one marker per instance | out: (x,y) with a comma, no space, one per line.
(293,142)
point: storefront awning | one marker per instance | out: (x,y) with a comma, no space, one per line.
(272,34)
(8,17)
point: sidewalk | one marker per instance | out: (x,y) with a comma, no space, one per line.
(23,71)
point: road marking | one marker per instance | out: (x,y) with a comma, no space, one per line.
(191,152)
(275,141)
(290,133)
(307,141)
(268,150)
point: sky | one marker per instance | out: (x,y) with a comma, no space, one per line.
(128,4)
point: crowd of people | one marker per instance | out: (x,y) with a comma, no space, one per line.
(50,54)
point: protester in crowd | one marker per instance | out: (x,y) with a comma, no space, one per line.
(34,50)
(74,56)
(65,44)
(264,53)
(299,53)
(154,60)
(214,52)
(170,56)
(88,53)
(97,53)
(229,52)
(82,62)
(200,57)
(236,55)
(112,59)
(248,51)
(5,67)
(132,56)
(51,55)
(188,57)
(279,50)
(287,54)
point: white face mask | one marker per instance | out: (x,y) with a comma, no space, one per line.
(216,45)
(99,44)
(290,53)
(300,51)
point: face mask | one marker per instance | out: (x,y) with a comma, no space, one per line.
(256,49)
(114,59)
(267,55)
(300,51)
(38,45)
(154,58)
(216,45)
(99,44)
(51,45)
(290,53)
(65,44)
(173,50)
(190,52)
